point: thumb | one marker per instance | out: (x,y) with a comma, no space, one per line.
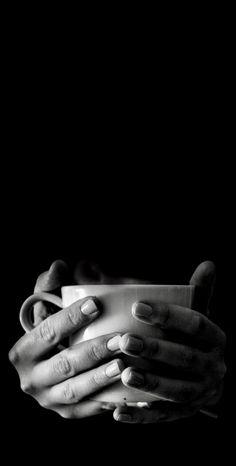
(52,278)
(203,279)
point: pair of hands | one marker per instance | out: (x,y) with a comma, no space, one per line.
(191,353)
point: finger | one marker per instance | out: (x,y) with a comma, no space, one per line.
(185,321)
(163,411)
(52,278)
(49,281)
(41,312)
(75,389)
(47,335)
(74,360)
(204,275)
(204,280)
(81,410)
(174,355)
(180,391)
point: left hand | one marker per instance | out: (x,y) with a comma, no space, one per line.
(192,356)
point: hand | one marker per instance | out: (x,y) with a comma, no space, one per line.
(62,380)
(189,361)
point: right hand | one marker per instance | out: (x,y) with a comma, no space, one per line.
(62,380)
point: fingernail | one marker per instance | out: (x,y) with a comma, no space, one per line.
(113,343)
(135,378)
(141,310)
(89,307)
(132,343)
(113,369)
(144,404)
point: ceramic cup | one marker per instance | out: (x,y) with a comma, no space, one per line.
(116,316)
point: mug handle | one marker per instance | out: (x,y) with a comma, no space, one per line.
(25,311)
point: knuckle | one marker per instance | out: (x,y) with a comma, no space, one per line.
(69,393)
(45,331)
(97,351)
(14,355)
(98,378)
(67,414)
(27,386)
(216,366)
(74,315)
(221,371)
(62,366)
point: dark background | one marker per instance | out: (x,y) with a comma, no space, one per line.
(126,161)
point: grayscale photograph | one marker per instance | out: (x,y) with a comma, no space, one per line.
(118,247)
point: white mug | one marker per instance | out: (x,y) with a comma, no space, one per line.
(116,316)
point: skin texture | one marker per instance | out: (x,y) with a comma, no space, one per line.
(189,361)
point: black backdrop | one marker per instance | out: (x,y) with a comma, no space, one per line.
(133,172)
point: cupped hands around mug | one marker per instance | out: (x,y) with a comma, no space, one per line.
(62,378)
(189,361)
(189,358)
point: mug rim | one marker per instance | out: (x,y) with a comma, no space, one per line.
(128,285)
